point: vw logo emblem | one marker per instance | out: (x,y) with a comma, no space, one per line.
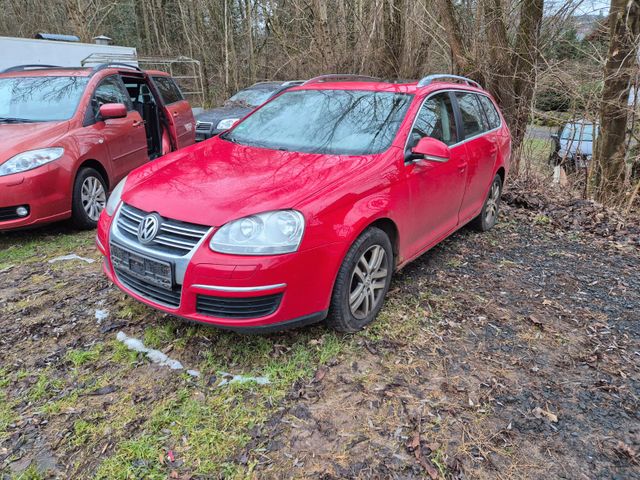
(148,228)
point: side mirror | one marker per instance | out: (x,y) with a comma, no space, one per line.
(112,110)
(430,149)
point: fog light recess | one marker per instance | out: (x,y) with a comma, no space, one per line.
(22,211)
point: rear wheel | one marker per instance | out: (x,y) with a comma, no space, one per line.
(362,283)
(89,198)
(489,214)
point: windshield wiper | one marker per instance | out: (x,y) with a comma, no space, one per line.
(15,120)
(229,138)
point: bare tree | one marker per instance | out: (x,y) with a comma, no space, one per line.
(607,174)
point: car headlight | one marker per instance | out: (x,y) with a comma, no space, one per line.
(267,233)
(29,160)
(227,123)
(114,198)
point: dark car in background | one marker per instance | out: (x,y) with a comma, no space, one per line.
(574,144)
(212,122)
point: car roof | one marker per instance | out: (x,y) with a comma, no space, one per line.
(35,71)
(265,85)
(50,72)
(384,86)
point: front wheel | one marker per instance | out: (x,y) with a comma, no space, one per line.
(489,213)
(362,283)
(89,198)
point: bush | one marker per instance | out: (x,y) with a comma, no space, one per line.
(550,99)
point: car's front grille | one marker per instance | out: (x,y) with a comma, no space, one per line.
(154,293)
(229,307)
(174,237)
(9,213)
(203,126)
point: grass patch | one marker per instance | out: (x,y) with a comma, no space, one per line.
(81,357)
(205,426)
(537,149)
(32,246)
(7,415)
(45,387)
(31,473)
(122,354)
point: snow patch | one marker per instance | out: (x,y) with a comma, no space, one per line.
(156,356)
(71,256)
(101,315)
(228,378)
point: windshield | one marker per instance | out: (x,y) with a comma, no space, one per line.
(339,122)
(252,97)
(40,99)
(578,132)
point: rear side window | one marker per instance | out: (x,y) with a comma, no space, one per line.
(473,119)
(493,118)
(169,91)
(435,120)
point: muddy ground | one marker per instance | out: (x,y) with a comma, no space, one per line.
(511,354)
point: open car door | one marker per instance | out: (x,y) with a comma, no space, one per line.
(177,110)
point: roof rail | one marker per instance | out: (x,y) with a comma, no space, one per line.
(441,76)
(341,76)
(102,66)
(21,68)
(292,83)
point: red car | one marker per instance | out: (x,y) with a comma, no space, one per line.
(304,209)
(69,135)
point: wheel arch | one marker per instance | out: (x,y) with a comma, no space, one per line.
(96,165)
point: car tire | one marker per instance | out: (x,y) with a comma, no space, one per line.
(89,198)
(362,268)
(491,208)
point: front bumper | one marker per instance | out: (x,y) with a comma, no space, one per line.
(299,284)
(45,191)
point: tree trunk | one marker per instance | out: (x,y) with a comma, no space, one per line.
(607,174)
(525,68)
(393,11)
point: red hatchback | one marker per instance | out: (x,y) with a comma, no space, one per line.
(68,135)
(304,209)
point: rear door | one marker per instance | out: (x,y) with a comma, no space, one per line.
(125,137)
(436,188)
(481,151)
(178,111)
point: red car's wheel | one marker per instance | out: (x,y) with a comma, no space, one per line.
(89,198)
(362,283)
(489,214)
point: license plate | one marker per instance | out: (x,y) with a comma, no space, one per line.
(143,268)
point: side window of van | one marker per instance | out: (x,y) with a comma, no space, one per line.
(493,118)
(435,120)
(473,119)
(110,90)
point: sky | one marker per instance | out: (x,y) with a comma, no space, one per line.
(586,7)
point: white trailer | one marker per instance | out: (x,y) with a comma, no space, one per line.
(27,51)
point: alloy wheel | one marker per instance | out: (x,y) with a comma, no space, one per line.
(491,209)
(368,282)
(93,197)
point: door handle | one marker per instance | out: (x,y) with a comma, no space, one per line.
(137,123)
(462,168)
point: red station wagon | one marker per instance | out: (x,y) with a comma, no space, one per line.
(69,135)
(302,211)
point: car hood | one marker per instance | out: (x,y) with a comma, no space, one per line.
(217,114)
(19,137)
(218,181)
